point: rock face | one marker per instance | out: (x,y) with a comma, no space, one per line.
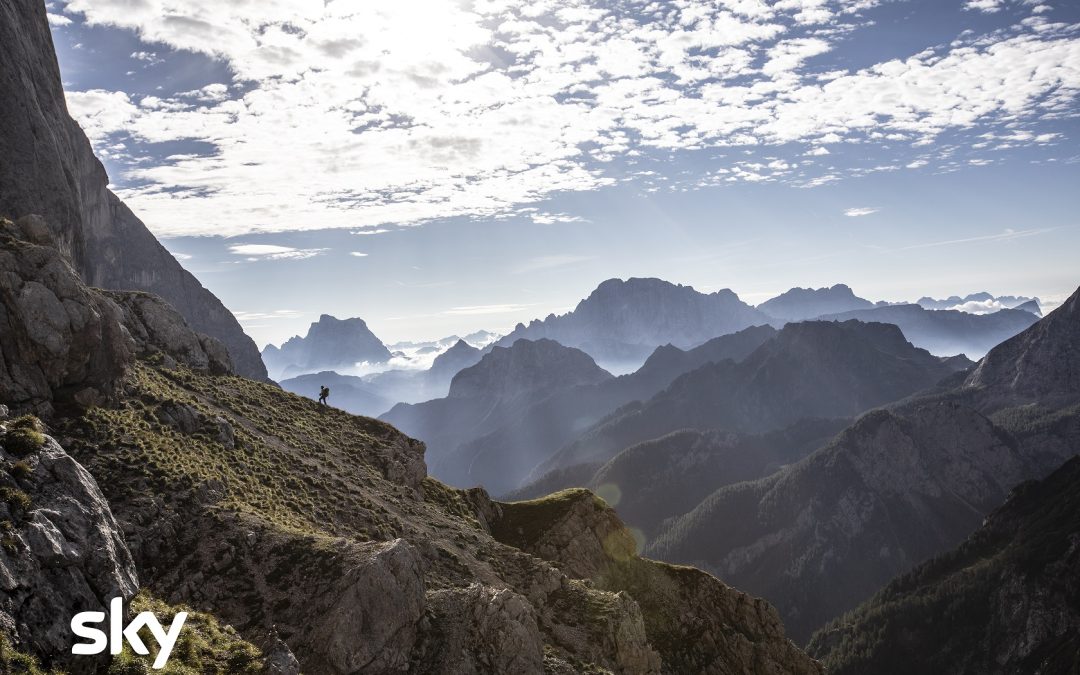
(64,343)
(330,343)
(622,322)
(60,548)
(809,370)
(49,169)
(800,304)
(947,332)
(1010,593)
(900,485)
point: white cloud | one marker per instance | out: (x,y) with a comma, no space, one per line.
(986,6)
(255,252)
(858,212)
(360,115)
(58,20)
(244,317)
(358,254)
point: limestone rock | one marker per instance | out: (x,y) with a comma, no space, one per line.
(62,553)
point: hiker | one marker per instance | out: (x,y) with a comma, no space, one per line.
(324,392)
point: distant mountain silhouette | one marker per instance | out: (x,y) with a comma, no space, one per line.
(1010,594)
(347,392)
(622,322)
(501,459)
(330,344)
(947,332)
(815,369)
(800,304)
(974,300)
(900,485)
(505,382)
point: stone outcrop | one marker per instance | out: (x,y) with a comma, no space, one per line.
(64,343)
(60,548)
(49,168)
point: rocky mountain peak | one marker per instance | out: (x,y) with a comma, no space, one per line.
(330,343)
(799,304)
(526,366)
(1041,363)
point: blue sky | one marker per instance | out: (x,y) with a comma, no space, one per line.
(438,166)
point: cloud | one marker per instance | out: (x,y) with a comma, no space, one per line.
(859,211)
(985,6)
(548,262)
(243,317)
(58,20)
(358,254)
(1006,235)
(361,115)
(255,252)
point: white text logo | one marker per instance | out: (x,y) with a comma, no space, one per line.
(114,639)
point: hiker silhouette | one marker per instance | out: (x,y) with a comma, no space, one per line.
(324,393)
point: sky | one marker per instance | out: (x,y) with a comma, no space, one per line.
(441,166)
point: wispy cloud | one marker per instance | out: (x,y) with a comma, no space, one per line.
(1001,236)
(859,211)
(358,254)
(255,252)
(242,316)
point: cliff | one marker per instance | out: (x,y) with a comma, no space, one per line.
(48,168)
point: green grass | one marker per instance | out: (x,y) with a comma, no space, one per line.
(14,662)
(205,647)
(25,436)
(524,523)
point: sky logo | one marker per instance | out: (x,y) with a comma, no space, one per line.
(99,640)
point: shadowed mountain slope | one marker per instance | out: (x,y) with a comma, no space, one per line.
(1007,600)
(809,370)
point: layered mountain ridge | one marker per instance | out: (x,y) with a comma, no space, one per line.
(622,322)
(900,485)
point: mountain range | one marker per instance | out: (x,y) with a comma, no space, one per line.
(946,332)
(903,483)
(983,302)
(621,322)
(500,454)
(809,370)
